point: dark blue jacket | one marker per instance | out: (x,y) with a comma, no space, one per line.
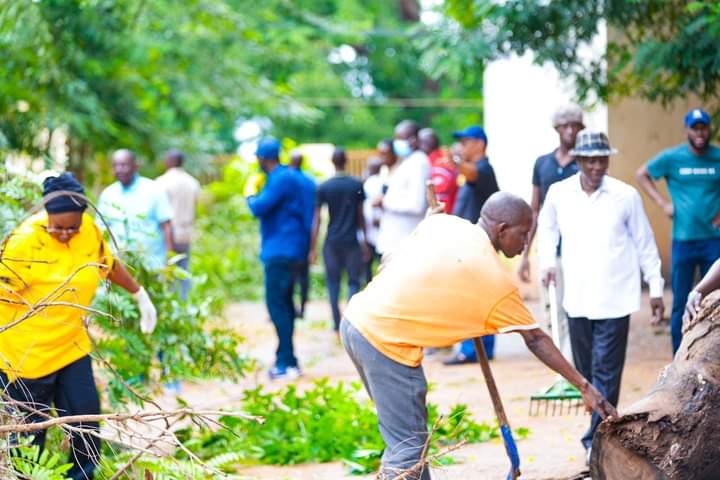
(309,190)
(282,220)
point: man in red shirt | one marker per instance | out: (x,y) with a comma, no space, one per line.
(443,170)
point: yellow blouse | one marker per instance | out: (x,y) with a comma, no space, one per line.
(55,278)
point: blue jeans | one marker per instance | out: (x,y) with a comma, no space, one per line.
(72,391)
(687,257)
(338,258)
(467,348)
(598,348)
(279,301)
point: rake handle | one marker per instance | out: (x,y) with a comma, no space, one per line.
(490,381)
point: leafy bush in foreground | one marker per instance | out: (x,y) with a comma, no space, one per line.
(321,424)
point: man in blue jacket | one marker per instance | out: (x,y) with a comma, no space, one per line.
(283,244)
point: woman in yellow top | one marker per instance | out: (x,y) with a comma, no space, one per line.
(50,268)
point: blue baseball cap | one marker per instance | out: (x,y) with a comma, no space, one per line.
(268,149)
(696,115)
(473,131)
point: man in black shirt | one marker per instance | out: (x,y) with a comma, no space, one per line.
(479,175)
(343,195)
(553,167)
(550,168)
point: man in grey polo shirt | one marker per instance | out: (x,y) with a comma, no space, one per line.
(551,168)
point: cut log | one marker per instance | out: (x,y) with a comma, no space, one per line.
(674,431)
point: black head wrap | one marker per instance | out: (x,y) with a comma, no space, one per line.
(64,203)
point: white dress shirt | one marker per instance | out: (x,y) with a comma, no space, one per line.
(373,190)
(606,241)
(405,203)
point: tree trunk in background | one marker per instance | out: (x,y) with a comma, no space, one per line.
(674,431)
(410,10)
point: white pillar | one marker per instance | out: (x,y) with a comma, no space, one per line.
(519,99)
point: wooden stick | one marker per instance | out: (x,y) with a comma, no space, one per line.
(490,381)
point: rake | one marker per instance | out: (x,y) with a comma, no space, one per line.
(561,397)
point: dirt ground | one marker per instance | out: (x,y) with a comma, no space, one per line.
(552,450)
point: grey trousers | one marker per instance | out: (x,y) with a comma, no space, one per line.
(399,394)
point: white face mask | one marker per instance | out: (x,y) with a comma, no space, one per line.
(402,148)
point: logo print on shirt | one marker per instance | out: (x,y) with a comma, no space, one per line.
(697,171)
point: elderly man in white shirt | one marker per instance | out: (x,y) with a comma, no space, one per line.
(606,243)
(404,204)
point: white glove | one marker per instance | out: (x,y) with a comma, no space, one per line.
(148,314)
(693,304)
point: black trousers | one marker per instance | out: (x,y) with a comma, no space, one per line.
(599,353)
(339,258)
(301,280)
(71,390)
(370,265)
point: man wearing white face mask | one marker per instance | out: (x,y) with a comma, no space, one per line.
(404,203)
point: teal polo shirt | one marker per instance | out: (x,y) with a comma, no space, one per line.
(694,184)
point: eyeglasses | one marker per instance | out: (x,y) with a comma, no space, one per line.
(67,231)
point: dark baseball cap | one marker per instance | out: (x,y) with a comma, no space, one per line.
(268,148)
(473,131)
(696,115)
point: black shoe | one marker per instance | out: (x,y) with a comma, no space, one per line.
(459,359)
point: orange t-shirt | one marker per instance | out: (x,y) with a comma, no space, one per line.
(444,283)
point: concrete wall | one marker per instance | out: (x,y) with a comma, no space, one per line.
(639,130)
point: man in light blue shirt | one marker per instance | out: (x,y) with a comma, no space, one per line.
(137,211)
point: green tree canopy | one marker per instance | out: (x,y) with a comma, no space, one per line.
(154,74)
(657,49)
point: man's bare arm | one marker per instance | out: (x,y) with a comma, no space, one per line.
(312,254)
(469,170)
(540,344)
(167,236)
(648,185)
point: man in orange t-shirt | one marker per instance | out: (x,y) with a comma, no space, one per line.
(443,284)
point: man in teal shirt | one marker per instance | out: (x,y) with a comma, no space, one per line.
(692,173)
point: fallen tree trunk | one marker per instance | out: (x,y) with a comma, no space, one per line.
(674,431)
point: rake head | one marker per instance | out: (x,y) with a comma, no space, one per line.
(561,398)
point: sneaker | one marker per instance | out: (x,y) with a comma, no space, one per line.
(284,373)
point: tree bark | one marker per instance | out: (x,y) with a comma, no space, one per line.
(674,431)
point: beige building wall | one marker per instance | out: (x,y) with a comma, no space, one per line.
(639,130)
